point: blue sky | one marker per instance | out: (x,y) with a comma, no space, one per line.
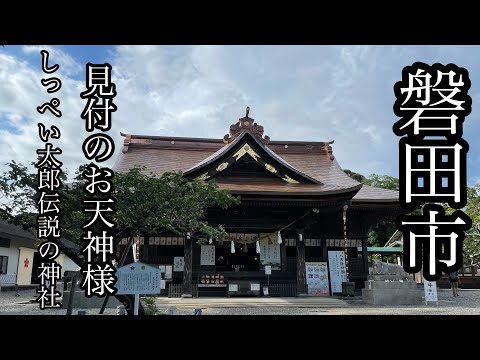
(318,93)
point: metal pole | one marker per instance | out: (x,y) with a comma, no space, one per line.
(137,303)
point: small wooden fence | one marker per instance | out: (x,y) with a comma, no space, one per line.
(176,290)
(281,289)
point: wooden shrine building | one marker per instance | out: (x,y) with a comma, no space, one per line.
(296,186)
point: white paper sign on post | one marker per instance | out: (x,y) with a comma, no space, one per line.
(135,251)
(430,291)
(168,272)
(268,270)
(338,273)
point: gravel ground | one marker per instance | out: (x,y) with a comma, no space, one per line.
(468,303)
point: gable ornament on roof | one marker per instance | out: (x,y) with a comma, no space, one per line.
(245,124)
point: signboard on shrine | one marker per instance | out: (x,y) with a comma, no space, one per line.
(338,270)
(207,255)
(138,278)
(270,251)
(317,278)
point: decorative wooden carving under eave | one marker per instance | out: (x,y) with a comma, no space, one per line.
(270,168)
(222,166)
(203,177)
(246,149)
(245,124)
(290,180)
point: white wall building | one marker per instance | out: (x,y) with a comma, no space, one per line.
(19,259)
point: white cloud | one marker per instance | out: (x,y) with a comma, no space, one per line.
(68,66)
(341,93)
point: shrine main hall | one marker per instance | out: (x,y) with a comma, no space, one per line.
(298,207)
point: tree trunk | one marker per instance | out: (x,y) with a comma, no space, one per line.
(187,268)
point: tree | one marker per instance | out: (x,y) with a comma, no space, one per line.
(146,203)
(355,176)
(471,244)
(382,181)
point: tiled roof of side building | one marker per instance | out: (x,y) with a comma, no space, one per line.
(373,194)
(10,229)
(18,231)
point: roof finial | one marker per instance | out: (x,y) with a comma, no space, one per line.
(248,111)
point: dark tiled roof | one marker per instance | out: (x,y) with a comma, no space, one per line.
(10,229)
(7,228)
(373,194)
(70,244)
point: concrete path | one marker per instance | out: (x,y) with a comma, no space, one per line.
(252,302)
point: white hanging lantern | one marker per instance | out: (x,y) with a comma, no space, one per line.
(279,237)
(300,237)
(210,240)
(245,248)
(257,247)
(232,247)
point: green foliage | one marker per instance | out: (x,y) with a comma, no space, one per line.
(355,176)
(146,203)
(149,306)
(382,181)
(379,233)
(471,244)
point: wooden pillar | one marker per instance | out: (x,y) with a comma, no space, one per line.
(187,268)
(301,280)
(365,255)
(283,254)
(364,245)
(324,250)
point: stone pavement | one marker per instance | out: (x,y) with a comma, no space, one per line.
(252,302)
(468,303)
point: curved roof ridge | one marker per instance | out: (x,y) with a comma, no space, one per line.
(212,158)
